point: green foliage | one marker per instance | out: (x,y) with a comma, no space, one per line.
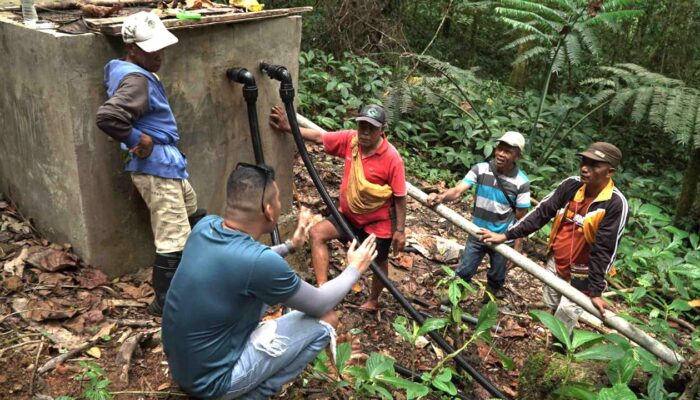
(560,30)
(623,362)
(665,103)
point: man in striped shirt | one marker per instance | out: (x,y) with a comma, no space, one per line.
(502,197)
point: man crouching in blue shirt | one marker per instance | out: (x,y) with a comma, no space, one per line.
(212,335)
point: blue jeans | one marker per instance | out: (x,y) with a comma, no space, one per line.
(474,252)
(266,365)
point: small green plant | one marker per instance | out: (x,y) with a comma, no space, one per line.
(96,386)
(97,382)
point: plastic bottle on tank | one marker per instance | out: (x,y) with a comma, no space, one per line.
(29,13)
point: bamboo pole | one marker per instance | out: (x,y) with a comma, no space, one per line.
(610,319)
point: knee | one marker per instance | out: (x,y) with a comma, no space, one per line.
(331,318)
(316,235)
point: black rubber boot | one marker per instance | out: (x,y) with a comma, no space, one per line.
(163,271)
(196,216)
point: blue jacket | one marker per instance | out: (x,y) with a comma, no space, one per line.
(166,160)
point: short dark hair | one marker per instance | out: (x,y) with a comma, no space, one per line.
(246,185)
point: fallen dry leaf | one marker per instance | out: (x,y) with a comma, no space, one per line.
(163,386)
(16,265)
(49,259)
(13,283)
(91,278)
(105,330)
(54,279)
(59,335)
(141,293)
(486,353)
(405,261)
(94,352)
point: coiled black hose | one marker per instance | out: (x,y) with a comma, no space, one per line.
(250,94)
(280,73)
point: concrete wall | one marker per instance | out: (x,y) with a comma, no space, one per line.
(67,175)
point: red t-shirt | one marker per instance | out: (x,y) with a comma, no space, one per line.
(570,246)
(384,167)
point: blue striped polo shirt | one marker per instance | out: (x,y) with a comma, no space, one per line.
(491,208)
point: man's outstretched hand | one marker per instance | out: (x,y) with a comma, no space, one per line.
(362,256)
(303,226)
(278,120)
(601,305)
(489,237)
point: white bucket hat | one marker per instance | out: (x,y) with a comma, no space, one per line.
(147,31)
(514,139)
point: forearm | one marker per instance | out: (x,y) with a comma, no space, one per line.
(130,101)
(316,302)
(281,249)
(312,135)
(518,245)
(400,212)
(453,194)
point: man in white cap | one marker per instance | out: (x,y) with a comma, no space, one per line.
(502,197)
(138,115)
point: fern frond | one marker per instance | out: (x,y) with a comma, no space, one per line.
(601,82)
(572,46)
(519,25)
(601,97)
(641,104)
(614,17)
(559,62)
(618,103)
(657,108)
(589,38)
(534,7)
(521,41)
(612,5)
(527,17)
(528,55)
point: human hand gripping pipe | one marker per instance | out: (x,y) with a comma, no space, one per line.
(250,94)
(610,319)
(281,74)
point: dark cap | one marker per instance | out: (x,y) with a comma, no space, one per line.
(602,151)
(373,114)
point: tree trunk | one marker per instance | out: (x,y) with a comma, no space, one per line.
(519,74)
(690,187)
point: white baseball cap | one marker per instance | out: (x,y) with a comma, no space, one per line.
(147,31)
(514,139)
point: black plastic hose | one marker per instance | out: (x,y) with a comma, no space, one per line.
(281,74)
(250,94)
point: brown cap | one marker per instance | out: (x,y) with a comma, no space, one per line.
(602,151)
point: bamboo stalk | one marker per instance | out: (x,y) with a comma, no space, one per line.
(610,319)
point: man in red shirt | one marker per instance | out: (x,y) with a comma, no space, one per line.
(373,180)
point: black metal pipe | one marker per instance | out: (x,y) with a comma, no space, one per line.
(250,94)
(281,74)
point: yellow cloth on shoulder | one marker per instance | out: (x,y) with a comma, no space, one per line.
(363,195)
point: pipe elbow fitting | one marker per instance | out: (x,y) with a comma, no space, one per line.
(277,72)
(241,75)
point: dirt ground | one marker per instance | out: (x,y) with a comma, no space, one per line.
(53,303)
